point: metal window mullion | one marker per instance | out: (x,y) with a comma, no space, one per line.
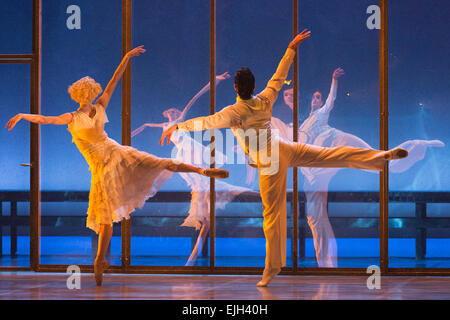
(126,120)
(35,108)
(212,110)
(384,141)
(15,60)
(295,239)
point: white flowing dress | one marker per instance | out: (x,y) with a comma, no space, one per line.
(315,130)
(122,178)
(190,151)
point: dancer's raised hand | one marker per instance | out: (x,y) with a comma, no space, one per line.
(109,90)
(305,34)
(223,76)
(13,121)
(339,72)
(167,133)
(136,52)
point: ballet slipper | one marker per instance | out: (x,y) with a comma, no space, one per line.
(268,275)
(397,153)
(436,143)
(215,173)
(99,268)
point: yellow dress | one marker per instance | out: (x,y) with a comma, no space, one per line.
(123,178)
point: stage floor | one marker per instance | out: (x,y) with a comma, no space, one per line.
(49,286)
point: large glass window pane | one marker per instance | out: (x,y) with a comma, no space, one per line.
(174,70)
(340,213)
(418,97)
(68,55)
(253,34)
(16,26)
(14,178)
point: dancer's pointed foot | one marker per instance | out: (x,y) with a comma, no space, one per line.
(215,173)
(190,262)
(99,268)
(397,153)
(268,275)
(436,143)
(192,259)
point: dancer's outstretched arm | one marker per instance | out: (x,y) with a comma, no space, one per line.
(109,90)
(145,125)
(277,81)
(230,116)
(63,119)
(219,78)
(226,118)
(329,103)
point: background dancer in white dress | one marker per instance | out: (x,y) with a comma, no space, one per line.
(122,177)
(187,150)
(250,117)
(315,130)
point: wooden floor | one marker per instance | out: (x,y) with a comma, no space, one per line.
(49,286)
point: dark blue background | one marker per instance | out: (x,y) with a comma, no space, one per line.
(252,33)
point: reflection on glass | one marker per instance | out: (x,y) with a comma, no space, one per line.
(418,106)
(176,68)
(315,130)
(190,151)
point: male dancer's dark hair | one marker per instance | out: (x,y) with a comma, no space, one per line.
(245,83)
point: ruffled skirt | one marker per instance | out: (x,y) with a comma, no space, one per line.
(123,178)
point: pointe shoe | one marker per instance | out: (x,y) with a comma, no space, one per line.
(215,173)
(397,153)
(268,275)
(99,268)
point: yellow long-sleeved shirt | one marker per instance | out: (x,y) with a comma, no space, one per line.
(249,119)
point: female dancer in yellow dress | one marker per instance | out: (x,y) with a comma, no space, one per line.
(122,177)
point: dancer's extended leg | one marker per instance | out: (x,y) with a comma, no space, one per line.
(305,155)
(273,195)
(273,189)
(184,167)
(199,244)
(319,223)
(417,150)
(104,238)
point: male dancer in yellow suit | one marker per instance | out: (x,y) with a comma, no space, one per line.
(249,119)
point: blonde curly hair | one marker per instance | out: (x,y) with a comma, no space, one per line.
(85,90)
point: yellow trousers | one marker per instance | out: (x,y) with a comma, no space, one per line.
(273,186)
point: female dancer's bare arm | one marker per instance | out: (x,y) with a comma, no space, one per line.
(63,119)
(109,90)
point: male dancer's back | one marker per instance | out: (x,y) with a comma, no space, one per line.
(250,117)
